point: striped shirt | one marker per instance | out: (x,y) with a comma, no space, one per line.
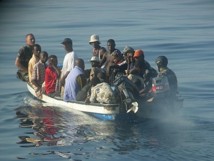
(39,73)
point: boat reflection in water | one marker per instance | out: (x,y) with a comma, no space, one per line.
(44,123)
(48,125)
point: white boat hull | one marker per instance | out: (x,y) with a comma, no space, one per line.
(103,111)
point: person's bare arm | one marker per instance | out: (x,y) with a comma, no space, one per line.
(62,80)
(20,66)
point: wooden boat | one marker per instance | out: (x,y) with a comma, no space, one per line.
(101,111)
(151,108)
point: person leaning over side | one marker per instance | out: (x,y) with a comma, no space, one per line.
(34,59)
(52,74)
(68,62)
(24,55)
(38,75)
(75,81)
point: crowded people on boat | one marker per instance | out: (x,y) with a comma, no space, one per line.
(75,81)
(162,64)
(38,75)
(23,57)
(68,62)
(52,74)
(129,72)
(34,59)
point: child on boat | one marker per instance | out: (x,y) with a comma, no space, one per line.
(52,74)
(38,74)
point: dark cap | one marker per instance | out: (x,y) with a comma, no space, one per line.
(66,40)
(128,49)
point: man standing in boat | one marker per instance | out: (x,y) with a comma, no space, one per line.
(68,62)
(24,56)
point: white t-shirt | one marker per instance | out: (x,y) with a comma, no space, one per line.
(68,62)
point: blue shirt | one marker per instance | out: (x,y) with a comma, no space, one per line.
(71,85)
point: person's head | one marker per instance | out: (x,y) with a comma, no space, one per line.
(94,41)
(128,53)
(161,62)
(36,50)
(52,60)
(102,52)
(95,61)
(43,56)
(30,39)
(111,45)
(80,63)
(139,54)
(68,44)
(116,56)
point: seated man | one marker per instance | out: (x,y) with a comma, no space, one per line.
(95,76)
(128,54)
(85,92)
(24,56)
(142,73)
(162,63)
(118,66)
(75,81)
(96,71)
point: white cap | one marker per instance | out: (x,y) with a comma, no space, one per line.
(94,38)
(94,58)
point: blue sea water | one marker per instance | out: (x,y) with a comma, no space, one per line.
(181,30)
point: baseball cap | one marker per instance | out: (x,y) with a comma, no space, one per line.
(66,40)
(138,53)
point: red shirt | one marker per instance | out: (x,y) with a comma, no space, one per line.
(50,80)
